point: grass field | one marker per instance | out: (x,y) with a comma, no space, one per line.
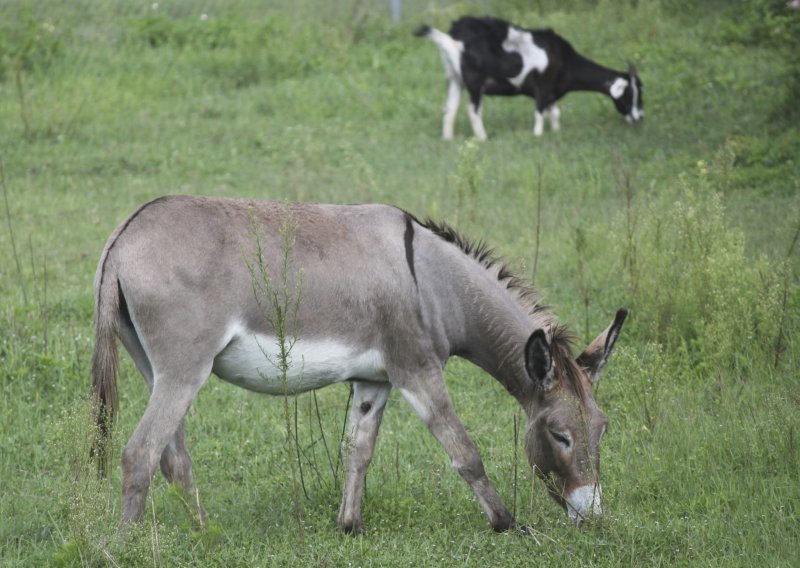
(690,220)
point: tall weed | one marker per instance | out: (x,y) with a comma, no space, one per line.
(468,179)
(83,504)
(695,291)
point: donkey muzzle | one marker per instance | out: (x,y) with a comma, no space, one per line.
(584,502)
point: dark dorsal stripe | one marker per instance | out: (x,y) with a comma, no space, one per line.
(408,239)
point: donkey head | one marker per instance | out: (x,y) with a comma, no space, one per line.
(626,91)
(565,425)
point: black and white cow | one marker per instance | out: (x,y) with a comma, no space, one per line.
(489,56)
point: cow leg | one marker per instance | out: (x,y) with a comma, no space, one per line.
(161,425)
(543,104)
(555,118)
(369,401)
(427,394)
(538,126)
(475,119)
(176,465)
(451,108)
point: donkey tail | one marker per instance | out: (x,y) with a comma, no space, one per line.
(104,361)
(449,48)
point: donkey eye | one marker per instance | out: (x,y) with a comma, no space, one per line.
(562,439)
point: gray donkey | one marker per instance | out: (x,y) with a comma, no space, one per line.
(386,300)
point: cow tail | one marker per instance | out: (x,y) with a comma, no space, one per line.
(449,48)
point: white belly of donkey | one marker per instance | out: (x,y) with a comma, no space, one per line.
(253,362)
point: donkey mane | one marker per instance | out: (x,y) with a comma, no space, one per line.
(484,254)
(562,338)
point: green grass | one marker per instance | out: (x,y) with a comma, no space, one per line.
(687,219)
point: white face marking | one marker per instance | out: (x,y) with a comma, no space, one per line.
(584,502)
(533,56)
(251,361)
(618,87)
(636,113)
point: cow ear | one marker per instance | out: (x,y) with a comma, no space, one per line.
(539,360)
(594,358)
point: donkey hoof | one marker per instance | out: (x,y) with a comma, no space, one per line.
(524,530)
(352,528)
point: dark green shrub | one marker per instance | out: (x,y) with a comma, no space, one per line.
(693,288)
(157,30)
(773,24)
(28,43)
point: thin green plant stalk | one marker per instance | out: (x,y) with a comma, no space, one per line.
(322,482)
(629,258)
(344,428)
(41,294)
(156,547)
(297,449)
(280,311)
(786,276)
(583,284)
(538,223)
(469,179)
(324,441)
(514,459)
(11,233)
(23,107)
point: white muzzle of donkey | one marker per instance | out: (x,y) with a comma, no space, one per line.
(584,502)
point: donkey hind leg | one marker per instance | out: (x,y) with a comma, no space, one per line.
(428,396)
(161,425)
(369,401)
(176,465)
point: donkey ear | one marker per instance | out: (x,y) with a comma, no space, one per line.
(596,355)
(539,360)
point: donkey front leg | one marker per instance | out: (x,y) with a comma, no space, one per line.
(369,400)
(430,401)
(169,401)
